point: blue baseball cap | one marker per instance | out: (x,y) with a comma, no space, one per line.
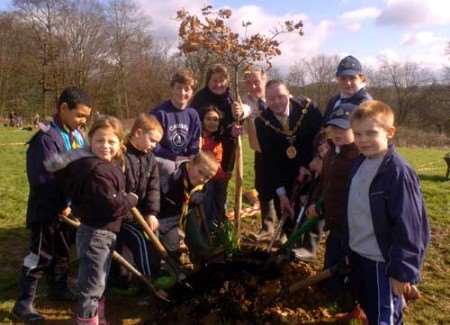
(341,116)
(349,66)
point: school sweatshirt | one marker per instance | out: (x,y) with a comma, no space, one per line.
(182,130)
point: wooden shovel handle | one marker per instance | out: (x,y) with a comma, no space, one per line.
(311,280)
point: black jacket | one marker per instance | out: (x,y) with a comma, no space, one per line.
(281,170)
(97,192)
(142,178)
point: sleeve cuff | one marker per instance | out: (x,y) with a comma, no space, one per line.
(246,111)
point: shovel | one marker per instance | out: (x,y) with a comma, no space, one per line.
(119,259)
(180,276)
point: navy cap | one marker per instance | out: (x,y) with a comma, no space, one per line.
(349,66)
(341,116)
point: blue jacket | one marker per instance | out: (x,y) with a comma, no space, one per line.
(182,130)
(45,199)
(399,217)
(361,96)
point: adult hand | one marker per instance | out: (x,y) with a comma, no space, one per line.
(236,130)
(152,222)
(286,207)
(237,110)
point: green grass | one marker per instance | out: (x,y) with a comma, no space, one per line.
(433,308)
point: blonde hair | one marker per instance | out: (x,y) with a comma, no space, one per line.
(184,77)
(110,122)
(377,110)
(146,123)
(206,159)
(254,70)
(216,68)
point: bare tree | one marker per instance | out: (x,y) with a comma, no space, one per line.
(409,84)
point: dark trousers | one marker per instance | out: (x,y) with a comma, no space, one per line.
(137,250)
(372,289)
(265,196)
(49,250)
(214,202)
(335,252)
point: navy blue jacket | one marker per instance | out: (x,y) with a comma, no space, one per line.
(45,199)
(360,96)
(399,217)
(182,129)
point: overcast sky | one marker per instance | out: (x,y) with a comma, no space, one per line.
(413,30)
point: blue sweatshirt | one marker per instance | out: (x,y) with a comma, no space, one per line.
(182,130)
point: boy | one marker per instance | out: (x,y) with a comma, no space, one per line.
(181,123)
(330,202)
(179,186)
(387,222)
(50,239)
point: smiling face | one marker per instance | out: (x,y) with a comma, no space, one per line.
(371,138)
(199,173)
(218,83)
(181,95)
(349,85)
(339,136)
(105,144)
(255,82)
(211,122)
(145,141)
(277,98)
(74,118)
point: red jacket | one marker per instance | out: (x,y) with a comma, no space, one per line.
(211,144)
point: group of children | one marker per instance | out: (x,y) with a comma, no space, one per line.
(183,152)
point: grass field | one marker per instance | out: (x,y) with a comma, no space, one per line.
(433,308)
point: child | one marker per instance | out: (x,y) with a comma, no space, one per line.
(352,85)
(180,122)
(142,178)
(96,187)
(217,92)
(333,189)
(215,197)
(50,240)
(178,188)
(387,222)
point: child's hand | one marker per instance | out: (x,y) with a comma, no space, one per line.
(311,212)
(303,174)
(152,222)
(400,288)
(65,213)
(285,206)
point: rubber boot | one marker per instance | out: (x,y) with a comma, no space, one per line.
(87,321)
(101,312)
(23,308)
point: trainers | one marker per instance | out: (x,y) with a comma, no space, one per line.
(303,254)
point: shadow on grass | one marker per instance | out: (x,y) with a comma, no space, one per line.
(433,178)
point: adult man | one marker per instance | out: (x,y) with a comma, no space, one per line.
(255,104)
(285,133)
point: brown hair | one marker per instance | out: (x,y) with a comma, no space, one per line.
(216,68)
(254,70)
(184,77)
(207,159)
(374,109)
(105,122)
(146,123)
(275,82)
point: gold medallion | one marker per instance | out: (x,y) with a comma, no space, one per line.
(291,152)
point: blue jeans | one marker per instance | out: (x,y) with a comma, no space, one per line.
(94,249)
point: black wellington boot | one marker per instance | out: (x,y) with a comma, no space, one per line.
(23,308)
(58,289)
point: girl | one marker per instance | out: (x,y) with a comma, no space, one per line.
(217,93)
(96,186)
(214,202)
(142,178)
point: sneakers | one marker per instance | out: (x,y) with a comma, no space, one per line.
(303,254)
